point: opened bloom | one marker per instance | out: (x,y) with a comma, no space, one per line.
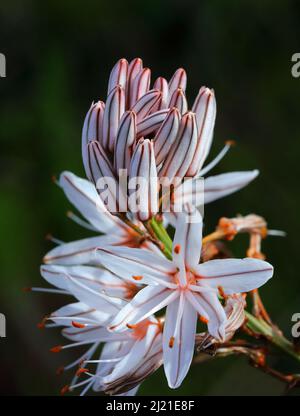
(187,288)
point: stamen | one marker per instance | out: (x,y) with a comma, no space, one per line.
(46,290)
(60,370)
(222,292)
(56,349)
(54,240)
(177,249)
(81,370)
(131,326)
(80,221)
(216,160)
(203,319)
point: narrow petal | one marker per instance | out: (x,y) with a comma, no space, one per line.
(143,181)
(114,109)
(178,351)
(188,238)
(124,141)
(134,68)
(178,100)
(146,103)
(65,315)
(149,300)
(218,186)
(178,80)
(136,264)
(161,84)
(151,123)
(208,305)
(205,111)
(80,251)
(234,275)
(166,135)
(118,75)
(140,85)
(83,195)
(181,155)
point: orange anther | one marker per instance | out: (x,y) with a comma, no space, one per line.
(60,370)
(81,370)
(137,277)
(177,249)
(27,289)
(131,326)
(58,348)
(203,319)
(221,292)
(230,142)
(171,342)
(78,324)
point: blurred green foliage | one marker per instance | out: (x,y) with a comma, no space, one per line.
(59,55)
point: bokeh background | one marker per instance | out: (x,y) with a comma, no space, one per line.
(59,55)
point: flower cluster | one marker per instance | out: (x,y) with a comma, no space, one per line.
(141,298)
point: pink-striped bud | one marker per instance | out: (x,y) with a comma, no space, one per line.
(151,123)
(125,141)
(146,103)
(139,86)
(92,127)
(118,75)
(179,101)
(166,135)
(134,68)
(161,84)
(178,80)
(182,152)
(143,181)
(114,109)
(205,112)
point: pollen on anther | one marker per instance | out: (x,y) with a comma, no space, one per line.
(81,370)
(171,342)
(137,277)
(78,324)
(55,349)
(131,326)
(203,319)
(177,249)
(64,390)
(221,292)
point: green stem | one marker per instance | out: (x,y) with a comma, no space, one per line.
(161,233)
(273,335)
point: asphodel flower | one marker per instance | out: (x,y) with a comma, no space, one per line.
(188,289)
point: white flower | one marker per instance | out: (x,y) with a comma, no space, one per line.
(187,288)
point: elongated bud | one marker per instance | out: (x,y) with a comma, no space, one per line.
(114,109)
(151,123)
(182,152)
(205,110)
(146,103)
(140,85)
(161,84)
(118,75)
(92,127)
(124,141)
(179,101)
(101,173)
(143,201)
(135,67)
(178,80)
(166,135)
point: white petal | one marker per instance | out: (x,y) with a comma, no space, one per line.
(178,358)
(216,187)
(83,195)
(188,238)
(147,301)
(134,263)
(234,275)
(80,251)
(208,305)
(76,311)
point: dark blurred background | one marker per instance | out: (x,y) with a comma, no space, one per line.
(59,55)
